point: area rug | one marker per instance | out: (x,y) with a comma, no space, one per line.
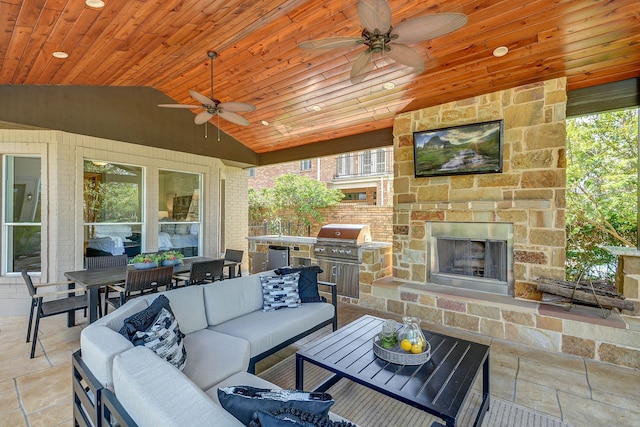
(368,408)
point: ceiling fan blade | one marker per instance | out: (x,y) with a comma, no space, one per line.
(375,14)
(236,106)
(191,107)
(428,27)
(406,56)
(234,118)
(202,117)
(362,66)
(204,100)
(331,42)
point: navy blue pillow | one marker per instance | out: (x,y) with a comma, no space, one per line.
(145,318)
(243,401)
(308,282)
(293,417)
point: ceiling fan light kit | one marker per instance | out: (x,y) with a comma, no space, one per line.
(213,107)
(380,37)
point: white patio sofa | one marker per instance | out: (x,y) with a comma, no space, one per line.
(226,333)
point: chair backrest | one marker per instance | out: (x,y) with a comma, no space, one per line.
(95,262)
(149,279)
(233,255)
(27,280)
(205,270)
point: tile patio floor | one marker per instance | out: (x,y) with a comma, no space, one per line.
(581,392)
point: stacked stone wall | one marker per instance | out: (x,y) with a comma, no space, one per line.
(528,193)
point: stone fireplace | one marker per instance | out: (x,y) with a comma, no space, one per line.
(476,256)
(528,194)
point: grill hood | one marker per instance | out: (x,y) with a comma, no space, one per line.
(345,233)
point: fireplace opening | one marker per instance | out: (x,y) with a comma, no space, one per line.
(477,256)
(473,258)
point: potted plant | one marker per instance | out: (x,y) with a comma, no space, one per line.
(171,258)
(144,261)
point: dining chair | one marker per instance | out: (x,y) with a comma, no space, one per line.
(108,261)
(69,303)
(139,282)
(234,255)
(202,272)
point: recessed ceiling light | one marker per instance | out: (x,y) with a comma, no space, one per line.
(388,85)
(264,122)
(316,108)
(96,4)
(500,51)
(60,54)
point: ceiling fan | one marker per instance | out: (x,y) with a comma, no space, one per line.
(380,37)
(212,107)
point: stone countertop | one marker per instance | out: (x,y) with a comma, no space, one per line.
(274,239)
(622,251)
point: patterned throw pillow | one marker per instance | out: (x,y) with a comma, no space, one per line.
(244,401)
(280,291)
(294,417)
(308,283)
(165,339)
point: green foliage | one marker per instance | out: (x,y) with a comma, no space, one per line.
(602,181)
(293,198)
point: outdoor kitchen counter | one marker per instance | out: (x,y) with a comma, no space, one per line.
(375,264)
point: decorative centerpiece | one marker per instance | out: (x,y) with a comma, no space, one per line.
(145,261)
(171,258)
(408,346)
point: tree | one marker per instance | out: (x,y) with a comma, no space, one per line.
(602,165)
(293,198)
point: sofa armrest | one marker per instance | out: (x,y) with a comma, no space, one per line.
(100,344)
(334,300)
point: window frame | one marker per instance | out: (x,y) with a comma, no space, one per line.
(7,225)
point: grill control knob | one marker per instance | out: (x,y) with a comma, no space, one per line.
(334,251)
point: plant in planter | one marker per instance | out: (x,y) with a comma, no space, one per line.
(171,257)
(142,261)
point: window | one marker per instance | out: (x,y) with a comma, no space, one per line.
(305,165)
(113,208)
(179,212)
(252,172)
(21,227)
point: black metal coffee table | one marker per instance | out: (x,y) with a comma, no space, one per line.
(440,386)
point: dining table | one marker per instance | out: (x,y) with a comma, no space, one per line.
(94,279)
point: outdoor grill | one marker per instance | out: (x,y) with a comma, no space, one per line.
(341,242)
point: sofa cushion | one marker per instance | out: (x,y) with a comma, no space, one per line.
(231,298)
(308,282)
(154,393)
(142,320)
(213,356)
(244,401)
(280,292)
(164,338)
(265,330)
(188,306)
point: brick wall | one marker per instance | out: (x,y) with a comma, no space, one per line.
(62,157)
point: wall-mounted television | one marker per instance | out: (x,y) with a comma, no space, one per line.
(466,149)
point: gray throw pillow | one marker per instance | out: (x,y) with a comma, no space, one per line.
(243,401)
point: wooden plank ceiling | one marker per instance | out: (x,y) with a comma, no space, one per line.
(163,44)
